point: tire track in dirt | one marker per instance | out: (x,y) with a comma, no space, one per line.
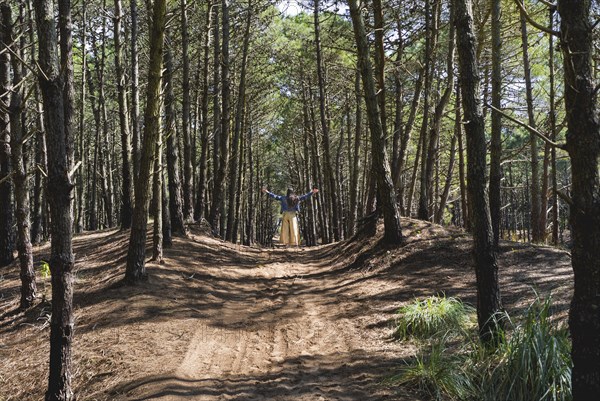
(290,343)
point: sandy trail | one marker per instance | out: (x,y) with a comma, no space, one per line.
(218,321)
(288,339)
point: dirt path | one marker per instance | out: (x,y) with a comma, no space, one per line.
(218,321)
(287,339)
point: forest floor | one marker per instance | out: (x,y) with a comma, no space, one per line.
(218,321)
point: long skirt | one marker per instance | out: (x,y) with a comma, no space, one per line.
(290,234)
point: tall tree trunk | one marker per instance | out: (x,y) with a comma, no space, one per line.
(496,142)
(251,212)
(405,139)
(381,167)
(136,269)
(202,173)
(354,172)
(552,117)
(583,146)
(157,237)
(428,143)
(242,168)
(535,179)
(464,202)
(188,168)
(439,217)
(98,152)
(379,35)
(135,102)
(434,135)
(7,240)
(53,80)
(82,177)
(167,237)
(40,149)
(486,266)
(27,274)
(331,192)
(126,171)
(213,217)
(175,190)
(317,170)
(239,115)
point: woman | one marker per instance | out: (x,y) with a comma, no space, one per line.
(290,206)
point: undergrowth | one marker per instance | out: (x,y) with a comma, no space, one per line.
(532,361)
(432,316)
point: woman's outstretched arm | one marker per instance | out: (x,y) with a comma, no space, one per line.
(271,194)
(308,194)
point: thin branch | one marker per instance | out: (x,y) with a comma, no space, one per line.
(533,22)
(7,177)
(25,63)
(74,169)
(549,4)
(42,171)
(528,127)
(566,198)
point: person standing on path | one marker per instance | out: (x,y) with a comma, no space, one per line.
(290,206)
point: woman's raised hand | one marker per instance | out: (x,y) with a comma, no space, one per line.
(264,189)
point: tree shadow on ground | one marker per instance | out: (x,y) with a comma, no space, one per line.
(357,378)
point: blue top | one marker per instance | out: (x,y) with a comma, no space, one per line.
(283,201)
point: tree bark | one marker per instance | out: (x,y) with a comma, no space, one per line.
(486,266)
(250,229)
(157,234)
(461,162)
(331,192)
(53,82)
(239,115)
(496,142)
(126,171)
(27,274)
(354,171)
(136,269)
(439,217)
(381,167)
(167,237)
(7,240)
(175,190)
(216,115)
(188,169)
(428,143)
(535,179)
(202,173)
(135,102)
(434,135)
(552,117)
(583,146)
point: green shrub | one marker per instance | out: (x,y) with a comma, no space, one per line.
(532,361)
(44,269)
(437,374)
(434,315)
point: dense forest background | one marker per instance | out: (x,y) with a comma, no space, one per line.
(291,126)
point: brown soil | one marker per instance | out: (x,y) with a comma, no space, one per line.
(223,322)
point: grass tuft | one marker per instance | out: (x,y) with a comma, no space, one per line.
(432,316)
(532,361)
(437,374)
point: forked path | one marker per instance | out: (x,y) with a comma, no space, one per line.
(278,325)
